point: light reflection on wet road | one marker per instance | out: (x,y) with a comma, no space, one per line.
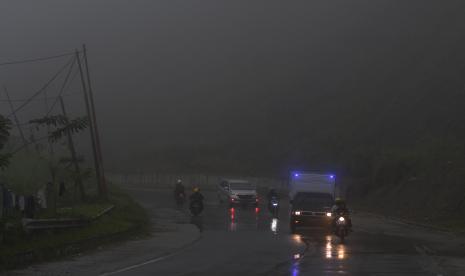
(251,241)
(274,225)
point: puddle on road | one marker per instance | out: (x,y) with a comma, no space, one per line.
(337,251)
(329,247)
(243,218)
(274,226)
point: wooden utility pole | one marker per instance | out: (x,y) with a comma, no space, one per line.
(15,117)
(94,118)
(91,127)
(73,154)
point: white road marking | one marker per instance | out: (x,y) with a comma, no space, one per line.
(156,260)
(430,263)
(137,265)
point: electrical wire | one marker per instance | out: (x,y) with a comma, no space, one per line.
(50,98)
(35,59)
(66,84)
(43,87)
(41,99)
(61,94)
(62,89)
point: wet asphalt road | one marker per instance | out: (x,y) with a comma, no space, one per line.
(251,242)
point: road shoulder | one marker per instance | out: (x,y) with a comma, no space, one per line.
(170,233)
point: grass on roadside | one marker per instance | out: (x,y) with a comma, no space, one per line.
(126,218)
(456,225)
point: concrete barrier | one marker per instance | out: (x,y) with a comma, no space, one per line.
(59,223)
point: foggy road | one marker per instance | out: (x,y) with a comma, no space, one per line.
(250,242)
(362,100)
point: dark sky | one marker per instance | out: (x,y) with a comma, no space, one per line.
(203,72)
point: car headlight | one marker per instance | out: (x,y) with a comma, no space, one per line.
(329,214)
(342,219)
(297,213)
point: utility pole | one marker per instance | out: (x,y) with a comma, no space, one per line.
(94,118)
(91,127)
(51,191)
(16,118)
(73,154)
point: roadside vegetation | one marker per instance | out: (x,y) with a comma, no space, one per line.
(70,196)
(422,183)
(127,219)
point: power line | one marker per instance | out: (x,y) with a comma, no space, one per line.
(43,87)
(35,59)
(45,98)
(62,89)
(49,98)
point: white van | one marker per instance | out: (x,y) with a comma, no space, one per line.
(237,192)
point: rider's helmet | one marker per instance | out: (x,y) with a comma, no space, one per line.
(196,189)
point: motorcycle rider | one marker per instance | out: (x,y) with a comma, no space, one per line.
(272,194)
(197,196)
(179,190)
(340,207)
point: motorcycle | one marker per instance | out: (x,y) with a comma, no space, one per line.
(196,207)
(273,206)
(180,198)
(341,228)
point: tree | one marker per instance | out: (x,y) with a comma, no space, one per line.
(64,126)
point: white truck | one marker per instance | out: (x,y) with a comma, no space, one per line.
(311,196)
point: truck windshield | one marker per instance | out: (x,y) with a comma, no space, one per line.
(241,186)
(312,201)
